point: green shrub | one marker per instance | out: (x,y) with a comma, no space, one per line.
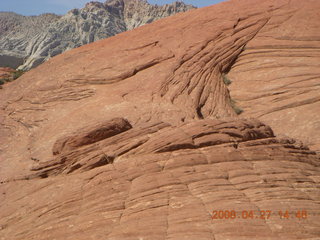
(17,74)
(226,80)
(237,109)
(13,76)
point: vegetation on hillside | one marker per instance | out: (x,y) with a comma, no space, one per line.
(227,82)
(238,110)
(10,76)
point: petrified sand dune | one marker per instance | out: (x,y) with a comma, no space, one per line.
(137,136)
(28,41)
(281,66)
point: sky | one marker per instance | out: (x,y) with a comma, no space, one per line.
(36,7)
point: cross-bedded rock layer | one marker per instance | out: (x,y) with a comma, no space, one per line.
(157,181)
(27,41)
(136,136)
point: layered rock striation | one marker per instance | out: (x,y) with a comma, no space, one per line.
(138,136)
(26,42)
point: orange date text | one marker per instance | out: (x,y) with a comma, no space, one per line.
(262,214)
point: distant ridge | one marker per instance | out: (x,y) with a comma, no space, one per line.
(183,129)
(27,41)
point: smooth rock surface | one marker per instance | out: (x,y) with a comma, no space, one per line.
(281,64)
(27,41)
(187,152)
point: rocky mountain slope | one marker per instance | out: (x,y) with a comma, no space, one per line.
(29,41)
(8,74)
(138,137)
(281,64)
(20,36)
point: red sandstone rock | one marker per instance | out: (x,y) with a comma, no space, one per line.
(6,72)
(91,134)
(183,151)
(281,66)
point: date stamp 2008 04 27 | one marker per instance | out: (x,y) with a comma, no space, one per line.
(262,214)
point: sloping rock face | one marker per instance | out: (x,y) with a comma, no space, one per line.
(21,35)
(6,72)
(282,67)
(137,137)
(29,41)
(158,181)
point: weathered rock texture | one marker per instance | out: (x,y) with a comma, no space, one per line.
(136,136)
(21,36)
(281,64)
(29,41)
(6,72)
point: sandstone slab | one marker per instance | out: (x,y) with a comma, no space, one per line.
(187,153)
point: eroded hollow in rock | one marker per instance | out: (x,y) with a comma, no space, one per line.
(91,135)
